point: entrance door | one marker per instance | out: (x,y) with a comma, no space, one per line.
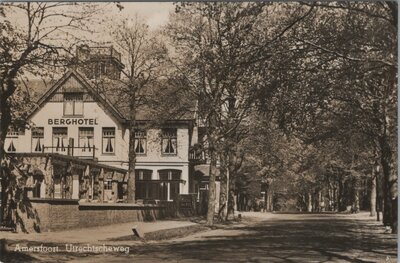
(120,190)
(108,195)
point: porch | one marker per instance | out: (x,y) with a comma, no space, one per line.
(58,176)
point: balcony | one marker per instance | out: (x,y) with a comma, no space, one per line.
(197,155)
(85,52)
(80,152)
(105,52)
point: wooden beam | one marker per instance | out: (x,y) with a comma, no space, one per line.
(101,185)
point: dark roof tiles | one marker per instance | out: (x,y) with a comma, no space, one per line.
(157,102)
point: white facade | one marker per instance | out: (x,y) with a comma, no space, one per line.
(91,128)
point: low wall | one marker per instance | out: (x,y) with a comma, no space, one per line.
(43,215)
(104,214)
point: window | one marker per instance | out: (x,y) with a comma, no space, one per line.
(13,136)
(143,174)
(108,140)
(169,178)
(145,189)
(99,70)
(86,138)
(60,138)
(37,139)
(73,104)
(167,188)
(163,191)
(174,190)
(169,141)
(170,175)
(108,185)
(140,142)
(11,146)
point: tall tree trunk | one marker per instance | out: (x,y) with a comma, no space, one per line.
(319,201)
(271,200)
(378,195)
(132,153)
(373,192)
(356,199)
(334,199)
(228,200)
(268,198)
(309,203)
(211,185)
(5,121)
(341,205)
(224,187)
(386,146)
(232,203)
(389,186)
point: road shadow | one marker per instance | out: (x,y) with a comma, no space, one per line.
(310,240)
(284,239)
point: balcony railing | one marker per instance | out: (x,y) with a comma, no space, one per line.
(197,155)
(86,52)
(81,152)
(105,52)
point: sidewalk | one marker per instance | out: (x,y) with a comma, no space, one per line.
(95,235)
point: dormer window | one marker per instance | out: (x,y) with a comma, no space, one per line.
(73,104)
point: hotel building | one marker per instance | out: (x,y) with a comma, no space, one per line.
(87,138)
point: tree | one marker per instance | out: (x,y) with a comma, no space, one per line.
(222,51)
(43,40)
(367,76)
(343,66)
(215,55)
(145,60)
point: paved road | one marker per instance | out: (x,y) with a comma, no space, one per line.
(273,238)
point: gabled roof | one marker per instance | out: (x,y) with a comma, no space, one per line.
(159,102)
(112,98)
(84,84)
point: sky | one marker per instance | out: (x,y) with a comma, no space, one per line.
(155,13)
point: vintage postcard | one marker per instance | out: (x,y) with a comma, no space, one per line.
(198,131)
